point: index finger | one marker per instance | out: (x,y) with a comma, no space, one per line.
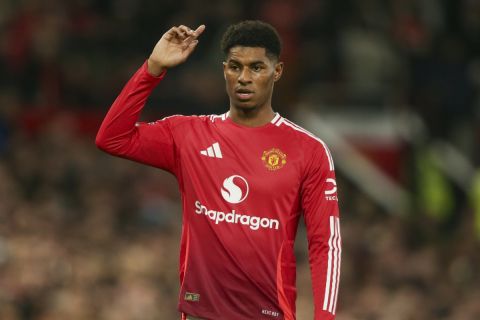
(198,31)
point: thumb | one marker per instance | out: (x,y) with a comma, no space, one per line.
(191,46)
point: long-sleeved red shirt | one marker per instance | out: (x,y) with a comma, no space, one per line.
(243,192)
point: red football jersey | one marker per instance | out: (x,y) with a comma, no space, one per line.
(243,192)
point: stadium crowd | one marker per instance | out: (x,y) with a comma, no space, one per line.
(87,236)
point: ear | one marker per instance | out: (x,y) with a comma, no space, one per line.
(277,73)
(224,68)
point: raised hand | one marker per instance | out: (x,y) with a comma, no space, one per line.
(173,48)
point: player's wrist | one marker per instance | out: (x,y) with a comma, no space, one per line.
(155,68)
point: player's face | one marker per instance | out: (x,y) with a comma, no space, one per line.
(250,74)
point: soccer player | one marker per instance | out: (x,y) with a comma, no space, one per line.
(246,177)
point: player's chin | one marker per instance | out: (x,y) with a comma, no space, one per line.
(245,104)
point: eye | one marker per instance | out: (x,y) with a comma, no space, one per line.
(233,67)
(257,68)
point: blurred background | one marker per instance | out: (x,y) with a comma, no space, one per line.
(393,86)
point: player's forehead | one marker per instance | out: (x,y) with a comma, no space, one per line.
(248,55)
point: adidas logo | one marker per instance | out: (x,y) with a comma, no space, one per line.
(213,151)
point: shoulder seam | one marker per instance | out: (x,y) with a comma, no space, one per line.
(214,117)
(211,117)
(311,135)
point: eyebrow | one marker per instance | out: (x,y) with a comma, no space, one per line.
(250,63)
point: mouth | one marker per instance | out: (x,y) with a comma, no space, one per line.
(244,94)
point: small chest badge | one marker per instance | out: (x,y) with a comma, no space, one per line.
(274,159)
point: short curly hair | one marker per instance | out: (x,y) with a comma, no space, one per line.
(252,33)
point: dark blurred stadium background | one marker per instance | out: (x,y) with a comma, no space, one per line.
(393,86)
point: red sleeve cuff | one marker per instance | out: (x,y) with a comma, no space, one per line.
(152,77)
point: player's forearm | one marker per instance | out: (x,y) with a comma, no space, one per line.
(118,131)
(325,256)
(325,269)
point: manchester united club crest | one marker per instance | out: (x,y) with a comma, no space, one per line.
(274,159)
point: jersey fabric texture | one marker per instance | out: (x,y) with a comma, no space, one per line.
(243,192)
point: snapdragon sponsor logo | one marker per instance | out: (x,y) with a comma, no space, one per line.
(253,222)
(235,189)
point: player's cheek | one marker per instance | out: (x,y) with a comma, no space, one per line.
(230,84)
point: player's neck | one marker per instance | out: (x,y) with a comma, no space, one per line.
(255,117)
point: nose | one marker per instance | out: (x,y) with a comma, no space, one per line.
(244,76)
